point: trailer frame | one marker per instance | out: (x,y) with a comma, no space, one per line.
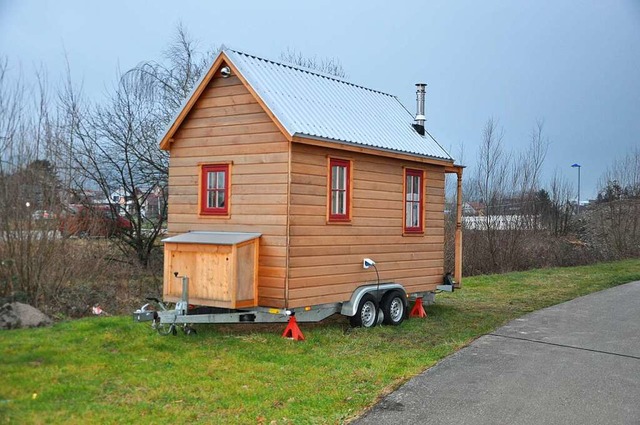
(184,315)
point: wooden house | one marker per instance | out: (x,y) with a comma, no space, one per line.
(323,172)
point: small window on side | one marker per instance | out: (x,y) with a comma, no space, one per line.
(413,201)
(339,190)
(214,189)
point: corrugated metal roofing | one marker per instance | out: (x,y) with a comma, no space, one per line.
(311,104)
(213,238)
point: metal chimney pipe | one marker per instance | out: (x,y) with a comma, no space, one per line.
(420,93)
(420,117)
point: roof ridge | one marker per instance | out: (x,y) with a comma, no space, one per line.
(309,71)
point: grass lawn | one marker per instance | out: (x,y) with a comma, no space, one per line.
(112,370)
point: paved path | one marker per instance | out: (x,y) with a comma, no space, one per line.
(574,363)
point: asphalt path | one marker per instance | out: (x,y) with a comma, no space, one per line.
(573,363)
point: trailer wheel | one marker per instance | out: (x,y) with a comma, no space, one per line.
(394,308)
(367,314)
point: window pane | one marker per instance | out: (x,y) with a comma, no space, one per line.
(334,202)
(342,202)
(211,199)
(220,179)
(338,177)
(211,180)
(220,199)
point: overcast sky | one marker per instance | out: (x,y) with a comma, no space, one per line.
(573,64)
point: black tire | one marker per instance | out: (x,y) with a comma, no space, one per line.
(367,314)
(394,308)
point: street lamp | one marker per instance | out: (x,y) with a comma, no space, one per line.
(578,166)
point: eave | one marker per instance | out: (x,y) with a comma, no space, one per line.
(370,150)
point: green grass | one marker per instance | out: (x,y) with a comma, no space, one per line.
(112,370)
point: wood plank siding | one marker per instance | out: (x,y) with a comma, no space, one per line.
(325,263)
(227,125)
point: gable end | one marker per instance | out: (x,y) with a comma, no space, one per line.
(214,71)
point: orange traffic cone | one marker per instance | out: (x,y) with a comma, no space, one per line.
(292,330)
(418,309)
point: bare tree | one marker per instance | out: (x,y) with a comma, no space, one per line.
(12,103)
(166,84)
(526,179)
(491,182)
(30,262)
(511,199)
(625,172)
(115,144)
(331,66)
(558,215)
(618,212)
(529,164)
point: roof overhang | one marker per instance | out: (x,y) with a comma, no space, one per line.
(371,150)
(454,169)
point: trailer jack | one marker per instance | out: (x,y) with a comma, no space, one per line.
(418,309)
(292,330)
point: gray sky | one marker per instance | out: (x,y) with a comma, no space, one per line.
(573,64)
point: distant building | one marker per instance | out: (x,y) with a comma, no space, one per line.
(473,209)
(152,201)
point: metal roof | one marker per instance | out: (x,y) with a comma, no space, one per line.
(315,105)
(213,238)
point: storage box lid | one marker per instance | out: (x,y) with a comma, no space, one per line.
(213,238)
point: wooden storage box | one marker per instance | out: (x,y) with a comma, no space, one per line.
(222,268)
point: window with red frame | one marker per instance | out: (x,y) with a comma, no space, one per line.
(413,201)
(339,189)
(214,190)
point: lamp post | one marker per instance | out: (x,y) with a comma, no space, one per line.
(578,166)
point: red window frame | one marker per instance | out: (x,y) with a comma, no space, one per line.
(206,192)
(414,204)
(339,192)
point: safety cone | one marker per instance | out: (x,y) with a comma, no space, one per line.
(292,330)
(418,309)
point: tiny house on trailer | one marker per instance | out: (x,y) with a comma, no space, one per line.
(283,180)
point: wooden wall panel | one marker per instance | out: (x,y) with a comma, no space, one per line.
(325,262)
(227,125)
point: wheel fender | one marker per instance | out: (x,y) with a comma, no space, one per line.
(402,293)
(350,307)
